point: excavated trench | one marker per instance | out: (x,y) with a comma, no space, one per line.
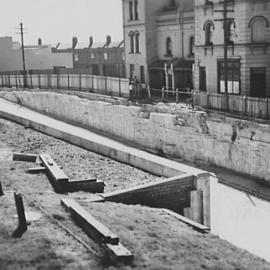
(229,213)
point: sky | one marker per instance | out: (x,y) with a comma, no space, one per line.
(59,20)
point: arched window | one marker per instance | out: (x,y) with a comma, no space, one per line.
(191,45)
(137,42)
(209,30)
(258,26)
(169,47)
(131,38)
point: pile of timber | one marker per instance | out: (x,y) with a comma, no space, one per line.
(57,176)
(115,251)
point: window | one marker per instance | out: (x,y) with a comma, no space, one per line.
(131,10)
(137,42)
(191,46)
(105,56)
(76,57)
(92,56)
(142,74)
(136,14)
(258,26)
(168,47)
(258,82)
(209,29)
(233,75)
(131,38)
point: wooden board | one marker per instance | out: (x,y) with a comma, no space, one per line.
(195,225)
(36,170)
(118,254)
(89,224)
(85,185)
(24,157)
(56,175)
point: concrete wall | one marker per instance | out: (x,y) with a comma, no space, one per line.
(193,136)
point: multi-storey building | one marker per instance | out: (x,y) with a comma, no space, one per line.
(97,58)
(248,42)
(159,36)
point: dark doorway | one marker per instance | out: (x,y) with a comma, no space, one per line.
(202,79)
(258,82)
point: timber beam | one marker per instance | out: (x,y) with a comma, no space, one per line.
(115,252)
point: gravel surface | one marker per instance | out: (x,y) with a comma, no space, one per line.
(77,163)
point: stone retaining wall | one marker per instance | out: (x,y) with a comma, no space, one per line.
(240,145)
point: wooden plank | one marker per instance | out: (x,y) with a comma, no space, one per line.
(195,225)
(85,185)
(24,157)
(22,227)
(118,254)
(89,224)
(57,176)
(36,170)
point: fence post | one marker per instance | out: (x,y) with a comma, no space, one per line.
(162,93)
(120,87)
(80,82)
(267,109)
(31,81)
(177,95)
(57,81)
(245,104)
(68,82)
(105,85)
(149,92)
(208,100)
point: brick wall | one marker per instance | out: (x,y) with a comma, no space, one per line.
(172,193)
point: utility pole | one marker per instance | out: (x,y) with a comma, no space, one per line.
(226,32)
(23,55)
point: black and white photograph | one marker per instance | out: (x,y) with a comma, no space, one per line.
(135,134)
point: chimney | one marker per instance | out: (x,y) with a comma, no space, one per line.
(90,42)
(74,42)
(108,41)
(39,42)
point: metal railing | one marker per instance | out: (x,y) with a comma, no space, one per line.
(242,105)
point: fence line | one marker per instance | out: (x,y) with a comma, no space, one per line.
(249,106)
(87,83)
(243,105)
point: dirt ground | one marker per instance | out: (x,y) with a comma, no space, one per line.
(157,240)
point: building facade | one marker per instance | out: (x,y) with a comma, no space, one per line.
(159,37)
(103,59)
(248,42)
(37,57)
